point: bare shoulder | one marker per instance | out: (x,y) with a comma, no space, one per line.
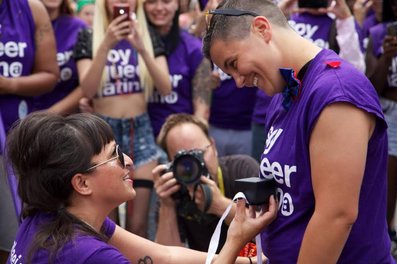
(39,12)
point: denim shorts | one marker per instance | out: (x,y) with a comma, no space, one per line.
(142,149)
(389,109)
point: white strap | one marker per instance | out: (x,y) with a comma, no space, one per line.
(215,236)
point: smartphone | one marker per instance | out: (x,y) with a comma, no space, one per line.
(313,3)
(392,29)
(120,9)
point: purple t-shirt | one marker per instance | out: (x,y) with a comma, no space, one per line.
(83,248)
(121,71)
(286,158)
(182,65)
(260,108)
(377,35)
(17,55)
(66,29)
(231,107)
(314,28)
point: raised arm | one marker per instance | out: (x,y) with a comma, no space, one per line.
(243,228)
(45,70)
(338,150)
(116,31)
(203,84)
(157,67)
(167,225)
(377,68)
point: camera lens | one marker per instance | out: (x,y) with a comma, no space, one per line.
(187,169)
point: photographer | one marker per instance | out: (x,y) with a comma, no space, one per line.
(181,218)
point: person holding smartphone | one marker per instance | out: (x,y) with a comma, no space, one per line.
(121,75)
(381,61)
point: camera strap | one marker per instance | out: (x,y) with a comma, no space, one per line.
(217,233)
(207,196)
(220,181)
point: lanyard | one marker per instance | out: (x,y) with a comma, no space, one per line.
(220,181)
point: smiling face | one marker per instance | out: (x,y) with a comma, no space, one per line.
(252,61)
(161,12)
(111,183)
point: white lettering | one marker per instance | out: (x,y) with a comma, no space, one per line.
(65,74)
(272,136)
(171,98)
(121,87)
(14,69)
(175,79)
(275,170)
(13,49)
(64,57)
(14,257)
(115,56)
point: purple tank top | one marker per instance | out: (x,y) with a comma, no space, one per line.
(121,71)
(377,34)
(314,28)
(17,54)
(260,108)
(286,158)
(182,65)
(66,30)
(232,108)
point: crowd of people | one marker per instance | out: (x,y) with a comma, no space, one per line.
(100,98)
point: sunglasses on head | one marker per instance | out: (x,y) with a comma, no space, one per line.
(226,12)
(119,156)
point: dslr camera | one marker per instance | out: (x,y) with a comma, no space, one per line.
(188,166)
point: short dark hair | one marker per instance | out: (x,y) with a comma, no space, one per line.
(174,120)
(237,27)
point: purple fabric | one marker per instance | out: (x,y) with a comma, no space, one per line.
(368,23)
(12,180)
(17,49)
(182,65)
(286,158)
(260,109)
(121,71)
(66,30)
(314,28)
(82,249)
(232,107)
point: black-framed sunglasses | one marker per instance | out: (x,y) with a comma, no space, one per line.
(119,155)
(226,12)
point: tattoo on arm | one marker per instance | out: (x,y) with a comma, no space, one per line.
(145,260)
(202,83)
(42,31)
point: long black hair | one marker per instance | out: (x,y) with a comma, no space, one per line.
(46,151)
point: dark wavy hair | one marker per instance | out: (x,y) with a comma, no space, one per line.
(46,151)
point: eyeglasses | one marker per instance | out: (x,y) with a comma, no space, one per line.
(119,155)
(226,12)
(204,150)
